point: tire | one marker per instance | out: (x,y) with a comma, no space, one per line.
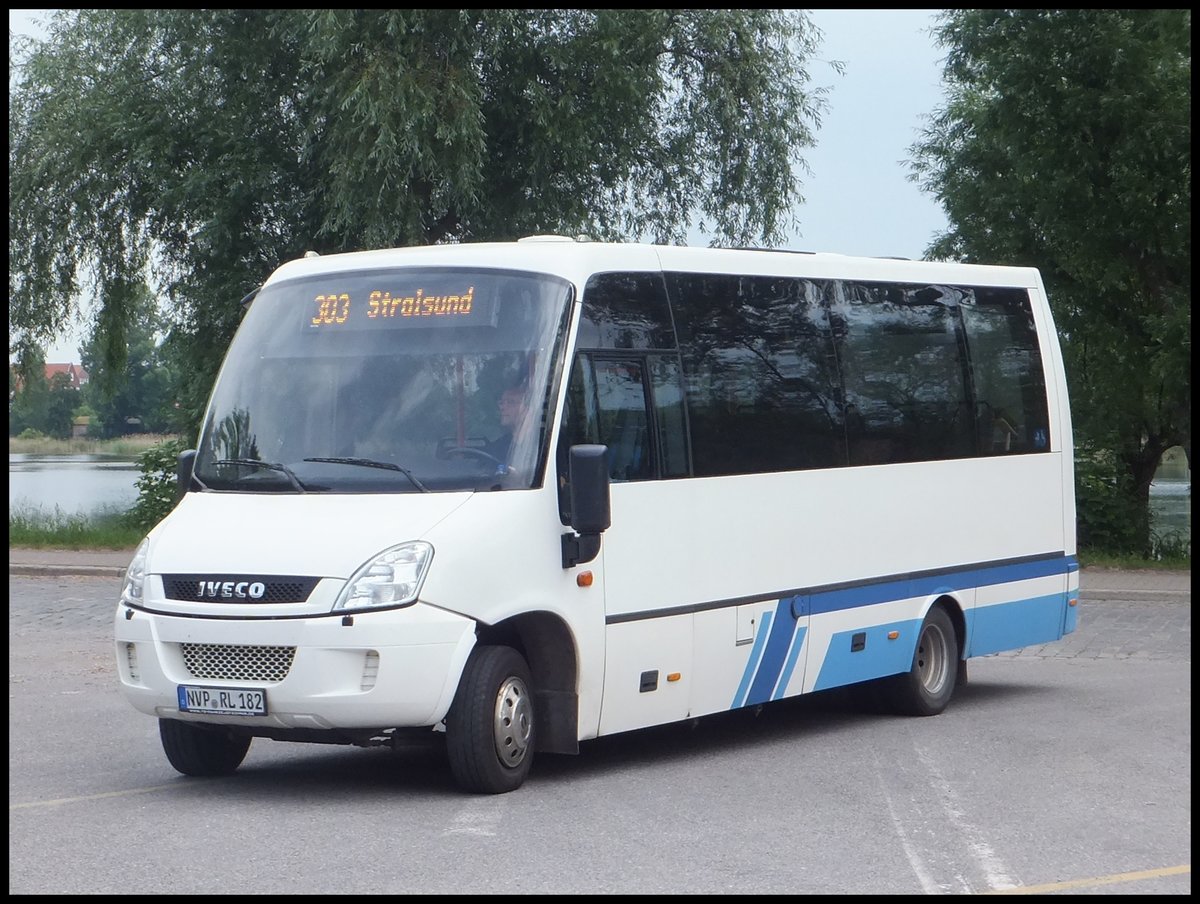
(926,689)
(202,750)
(491,729)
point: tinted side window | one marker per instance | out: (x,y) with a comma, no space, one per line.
(626,311)
(666,383)
(1010,384)
(760,374)
(634,405)
(623,418)
(904,373)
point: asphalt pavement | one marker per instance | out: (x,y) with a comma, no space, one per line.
(1094,583)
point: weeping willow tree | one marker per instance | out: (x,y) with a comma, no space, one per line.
(198,149)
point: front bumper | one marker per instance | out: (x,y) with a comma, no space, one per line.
(390,669)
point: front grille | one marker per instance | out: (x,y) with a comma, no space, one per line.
(237,663)
(238,588)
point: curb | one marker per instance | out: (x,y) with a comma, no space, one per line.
(117,571)
(1178,596)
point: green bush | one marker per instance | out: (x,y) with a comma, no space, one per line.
(1107,515)
(157,487)
(30,433)
(1173,545)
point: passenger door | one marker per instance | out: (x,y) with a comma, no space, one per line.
(633,404)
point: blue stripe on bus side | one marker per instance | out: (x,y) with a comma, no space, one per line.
(1003,626)
(1020,623)
(783,628)
(878,657)
(790,665)
(760,641)
(905,588)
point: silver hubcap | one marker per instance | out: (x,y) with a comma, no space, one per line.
(513,722)
(933,665)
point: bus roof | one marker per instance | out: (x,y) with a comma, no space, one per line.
(577,259)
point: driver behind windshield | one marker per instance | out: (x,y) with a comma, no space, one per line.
(513,405)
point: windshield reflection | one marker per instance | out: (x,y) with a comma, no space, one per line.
(414,380)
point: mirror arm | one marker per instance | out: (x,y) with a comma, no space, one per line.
(579,548)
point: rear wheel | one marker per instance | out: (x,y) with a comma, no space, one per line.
(490,729)
(202,750)
(926,689)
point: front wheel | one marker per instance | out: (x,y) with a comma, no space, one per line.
(490,729)
(926,688)
(202,750)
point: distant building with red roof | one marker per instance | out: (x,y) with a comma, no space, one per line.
(77,376)
(75,373)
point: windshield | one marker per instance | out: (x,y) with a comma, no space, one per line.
(389,381)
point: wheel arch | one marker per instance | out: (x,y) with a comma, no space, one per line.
(954,608)
(546,643)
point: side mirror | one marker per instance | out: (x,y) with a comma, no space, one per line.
(183,472)
(591,511)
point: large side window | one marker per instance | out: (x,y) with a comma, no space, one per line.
(760,374)
(904,373)
(1010,384)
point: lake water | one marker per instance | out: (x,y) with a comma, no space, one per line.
(74,484)
(87,484)
(1171,506)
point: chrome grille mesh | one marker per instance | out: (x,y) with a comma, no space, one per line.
(238,588)
(237,663)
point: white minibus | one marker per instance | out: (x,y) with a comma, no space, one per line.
(511,497)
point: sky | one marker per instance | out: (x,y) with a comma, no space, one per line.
(857,198)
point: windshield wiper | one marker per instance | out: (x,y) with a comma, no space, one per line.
(371,463)
(272,465)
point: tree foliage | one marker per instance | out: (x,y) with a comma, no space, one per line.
(140,396)
(208,146)
(1065,144)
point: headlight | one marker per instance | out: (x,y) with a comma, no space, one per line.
(135,575)
(392,578)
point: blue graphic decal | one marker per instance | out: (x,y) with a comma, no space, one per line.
(1010,626)
(783,627)
(904,588)
(990,628)
(879,657)
(760,641)
(773,658)
(790,665)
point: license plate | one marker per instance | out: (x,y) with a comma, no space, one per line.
(224,701)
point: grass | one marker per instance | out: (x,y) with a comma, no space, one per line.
(38,529)
(1089,558)
(123,447)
